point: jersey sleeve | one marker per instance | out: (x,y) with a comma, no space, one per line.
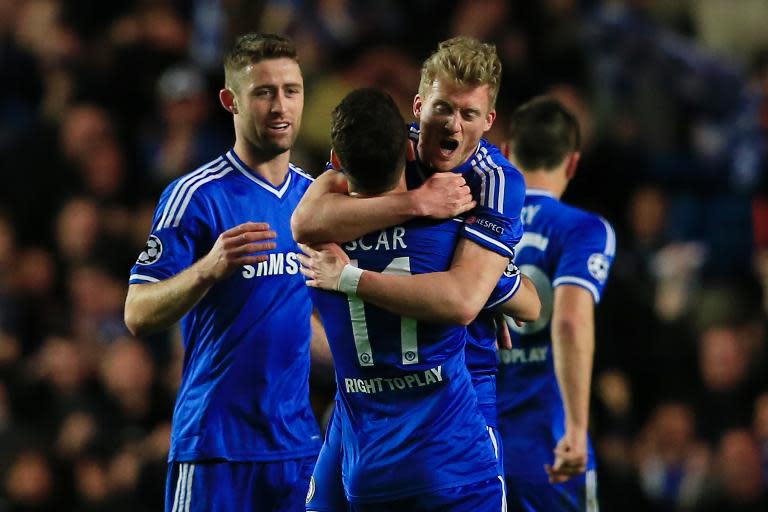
(587,256)
(506,288)
(179,236)
(495,223)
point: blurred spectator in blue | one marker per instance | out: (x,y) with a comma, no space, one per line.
(184,136)
(673,463)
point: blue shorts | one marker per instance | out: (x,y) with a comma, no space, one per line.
(242,486)
(486,496)
(326,490)
(578,494)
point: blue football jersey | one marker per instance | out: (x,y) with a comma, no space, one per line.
(499,189)
(244,392)
(410,422)
(561,245)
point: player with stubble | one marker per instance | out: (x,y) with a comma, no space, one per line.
(243,435)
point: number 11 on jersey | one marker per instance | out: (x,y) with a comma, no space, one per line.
(408,327)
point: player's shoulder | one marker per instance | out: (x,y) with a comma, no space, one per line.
(190,189)
(490,155)
(198,178)
(489,160)
(584,224)
(301,174)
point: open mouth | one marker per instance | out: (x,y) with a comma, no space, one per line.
(449,145)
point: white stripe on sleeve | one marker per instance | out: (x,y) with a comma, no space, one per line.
(181,187)
(192,190)
(579,282)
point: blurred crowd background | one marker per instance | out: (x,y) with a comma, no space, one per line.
(103,103)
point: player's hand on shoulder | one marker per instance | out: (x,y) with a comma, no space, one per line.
(322,265)
(443,196)
(236,247)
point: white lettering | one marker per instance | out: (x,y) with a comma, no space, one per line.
(409,381)
(276,263)
(363,246)
(397,238)
(291,263)
(529,212)
(248,271)
(261,269)
(519,355)
(538,354)
(382,241)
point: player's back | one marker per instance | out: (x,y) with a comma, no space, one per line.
(561,245)
(409,415)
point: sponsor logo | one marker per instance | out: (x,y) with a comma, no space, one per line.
(491,226)
(428,377)
(277,264)
(598,266)
(471,220)
(524,355)
(152,251)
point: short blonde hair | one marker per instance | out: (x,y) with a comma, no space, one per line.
(464,61)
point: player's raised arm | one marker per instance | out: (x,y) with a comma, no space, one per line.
(155,306)
(327,213)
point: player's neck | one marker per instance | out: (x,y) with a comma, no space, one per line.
(272,168)
(400,187)
(552,182)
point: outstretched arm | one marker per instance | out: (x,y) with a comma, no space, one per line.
(327,213)
(152,307)
(454,296)
(573,346)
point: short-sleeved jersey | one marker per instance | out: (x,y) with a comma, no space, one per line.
(499,189)
(410,422)
(244,392)
(561,245)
